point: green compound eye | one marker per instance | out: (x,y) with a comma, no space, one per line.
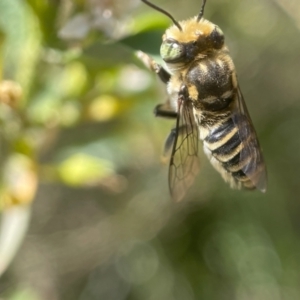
(171,51)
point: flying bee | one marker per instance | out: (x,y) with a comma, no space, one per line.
(205,99)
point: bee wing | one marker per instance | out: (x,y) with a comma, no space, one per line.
(184,161)
(255,168)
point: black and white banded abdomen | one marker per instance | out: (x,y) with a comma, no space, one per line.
(233,150)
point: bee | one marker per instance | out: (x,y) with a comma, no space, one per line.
(205,99)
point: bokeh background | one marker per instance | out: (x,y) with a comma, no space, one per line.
(81,148)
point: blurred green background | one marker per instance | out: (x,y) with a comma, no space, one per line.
(83,143)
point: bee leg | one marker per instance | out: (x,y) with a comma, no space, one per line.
(169,142)
(164,111)
(171,138)
(151,64)
(183,93)
(162,73)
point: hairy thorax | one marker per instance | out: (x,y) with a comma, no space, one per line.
(210,82)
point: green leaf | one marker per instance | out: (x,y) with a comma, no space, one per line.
(107,55)
(147,41)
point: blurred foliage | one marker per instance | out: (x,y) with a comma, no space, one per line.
(78,136)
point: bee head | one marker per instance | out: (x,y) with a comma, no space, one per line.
(196,40)
(187,40)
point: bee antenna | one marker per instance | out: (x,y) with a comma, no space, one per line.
(201,11)
(164,12)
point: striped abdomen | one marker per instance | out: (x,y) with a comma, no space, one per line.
(232,147)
